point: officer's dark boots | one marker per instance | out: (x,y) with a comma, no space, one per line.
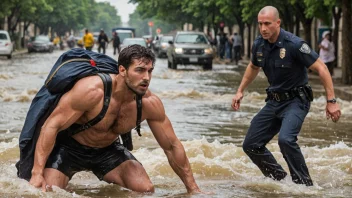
(264,160)
(295,160)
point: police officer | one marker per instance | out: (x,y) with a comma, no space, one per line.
(285,59)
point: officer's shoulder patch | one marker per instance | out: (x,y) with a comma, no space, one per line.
(305,48)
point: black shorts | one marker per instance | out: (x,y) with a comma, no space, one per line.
(70,157)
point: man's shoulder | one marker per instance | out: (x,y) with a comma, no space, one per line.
(289,37)
(89,84)
(86,93)
(151,98)
(258,41)
(153,106)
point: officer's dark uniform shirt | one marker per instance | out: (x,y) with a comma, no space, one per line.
(284,62)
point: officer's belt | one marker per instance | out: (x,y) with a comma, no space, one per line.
(283,96)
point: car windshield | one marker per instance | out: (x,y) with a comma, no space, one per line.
(42,38)
(3,36)
(166,39)
(134,41)
(191,38)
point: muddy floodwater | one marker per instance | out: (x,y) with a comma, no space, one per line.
(198,104)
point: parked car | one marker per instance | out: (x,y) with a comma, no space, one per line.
(162,45)
(190,48)
(6,46)
(40,43)
(131,41)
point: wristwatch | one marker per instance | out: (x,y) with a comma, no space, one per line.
(333,101)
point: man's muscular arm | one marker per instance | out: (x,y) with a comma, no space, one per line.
(163,132)
(70,108)
(332,110)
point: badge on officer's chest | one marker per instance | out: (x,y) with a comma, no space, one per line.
(282,53)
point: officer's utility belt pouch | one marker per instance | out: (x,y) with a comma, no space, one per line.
(308,92)
(300,92)
(280,96)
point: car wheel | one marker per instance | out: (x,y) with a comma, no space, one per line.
(208,66)
(9,56)
(29,51)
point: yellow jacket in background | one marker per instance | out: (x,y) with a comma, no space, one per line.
(88,40)
(56,40)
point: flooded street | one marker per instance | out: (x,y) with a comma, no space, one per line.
(198,104)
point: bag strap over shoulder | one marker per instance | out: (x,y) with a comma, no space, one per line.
(139,114)
(76,128)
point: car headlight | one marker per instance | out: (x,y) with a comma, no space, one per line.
(163,45)
(178,50)
(208,51)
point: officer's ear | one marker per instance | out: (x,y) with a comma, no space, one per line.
(278,22)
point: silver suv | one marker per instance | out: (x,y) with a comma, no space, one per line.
(190,48)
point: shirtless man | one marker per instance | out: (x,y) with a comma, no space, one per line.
(58,156)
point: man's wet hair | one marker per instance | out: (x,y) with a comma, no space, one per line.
(135,52)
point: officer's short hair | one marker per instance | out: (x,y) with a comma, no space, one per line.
(270,9)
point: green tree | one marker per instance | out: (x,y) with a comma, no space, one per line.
(170,11)
(6,8)
(142,28)
(107,18)
(66,15)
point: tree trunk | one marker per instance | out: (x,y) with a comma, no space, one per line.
(347,42)
(25,27)
(9,23)
(241,30)
(215,26)
(307,25)
(287,17)
(201,26)
(297,24)
(315,30)
(335,35)
(2,25)
(249,27)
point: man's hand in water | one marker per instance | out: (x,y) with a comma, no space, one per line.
(37,180)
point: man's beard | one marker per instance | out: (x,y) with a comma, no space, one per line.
(134,90)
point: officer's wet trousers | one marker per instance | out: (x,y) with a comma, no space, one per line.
(285,118)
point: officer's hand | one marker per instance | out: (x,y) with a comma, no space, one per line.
(37,180)
(236,101)
(333,111)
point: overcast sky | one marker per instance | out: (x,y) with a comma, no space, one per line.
(123,7)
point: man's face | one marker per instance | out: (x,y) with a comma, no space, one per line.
(269,26)
(138,76)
